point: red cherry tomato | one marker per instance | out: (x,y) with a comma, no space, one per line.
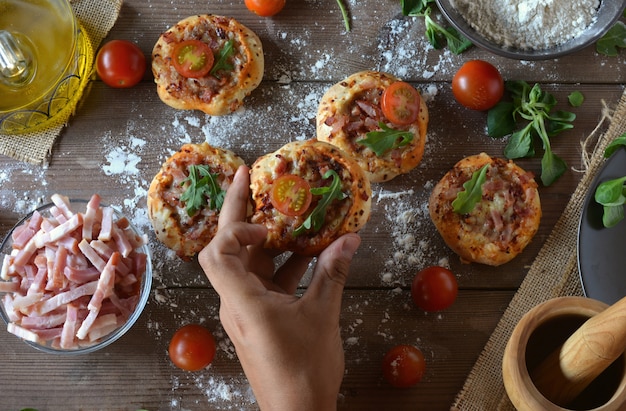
(291,195)
(265,8)
(120,64)
(192,58)
(404,366)
(434,288)
(478,85)
(192,347)
(401,103)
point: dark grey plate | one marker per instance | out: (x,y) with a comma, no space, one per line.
(601,250)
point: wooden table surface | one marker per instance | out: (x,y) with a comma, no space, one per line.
(117,140)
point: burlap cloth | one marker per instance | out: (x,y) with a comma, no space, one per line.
(554,273)
(96,18)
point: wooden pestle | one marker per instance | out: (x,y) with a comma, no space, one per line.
(569,369)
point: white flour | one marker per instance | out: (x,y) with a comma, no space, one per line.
(528,24)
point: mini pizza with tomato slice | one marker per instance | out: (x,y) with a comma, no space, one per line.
(486,209)
(186,196)
(307,194)
(378,119)
(208,63)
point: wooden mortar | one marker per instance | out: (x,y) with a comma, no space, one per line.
(557,360)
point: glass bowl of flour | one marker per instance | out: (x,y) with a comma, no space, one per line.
(532,29)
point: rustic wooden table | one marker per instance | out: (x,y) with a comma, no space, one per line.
(118,139)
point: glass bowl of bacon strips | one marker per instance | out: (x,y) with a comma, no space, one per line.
(75,276)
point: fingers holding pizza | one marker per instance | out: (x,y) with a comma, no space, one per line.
(378,119)
(307,194)
(486,209)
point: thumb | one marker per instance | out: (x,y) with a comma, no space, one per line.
(332,269)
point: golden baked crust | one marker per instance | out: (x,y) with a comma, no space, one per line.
(310,160)
(217,94)
(174,227)
(501,224)
(342,121)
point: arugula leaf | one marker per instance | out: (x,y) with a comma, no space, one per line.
(612,215)
(222,59)
(611,195)
(472,192)
(414,7)
(615,145)
(500,120)
(611,192)
(387,139)
(520,144)
(315,220)
(576,98)
(344,14)
(533,105)
(613,39)
(437,35)
(195,196)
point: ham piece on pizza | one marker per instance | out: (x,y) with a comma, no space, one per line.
(378,119)
(186,195)
(308,193)
(502,221)
(208,63)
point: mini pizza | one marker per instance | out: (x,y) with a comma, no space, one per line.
(378,119)
(486,209)
(208,63)
(186,195)
(308,193)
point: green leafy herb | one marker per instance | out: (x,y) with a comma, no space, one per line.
(344,14)
(472,192)
(615,145)
(611,195)
(202,184)
(222,59)
(437,35)
(534,106)
(315,220)
(576,98)
(613,39)
(386,139)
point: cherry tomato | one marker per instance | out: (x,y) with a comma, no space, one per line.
(265,8)
(192,58)
(401,103)
(404,366)
(192,347)
(291,195)
(434,288)
(478,85)
(120,64)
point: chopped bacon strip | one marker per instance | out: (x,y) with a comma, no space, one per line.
(42,237)
(70,278)
(24,333)
(9,286)
(63,204)
(69,327)
(107,224)
(90,216)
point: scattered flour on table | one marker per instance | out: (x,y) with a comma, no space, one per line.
(528,24)
(23,202)
(410,231)
(406,52)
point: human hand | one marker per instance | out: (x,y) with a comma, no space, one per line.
(290,348)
